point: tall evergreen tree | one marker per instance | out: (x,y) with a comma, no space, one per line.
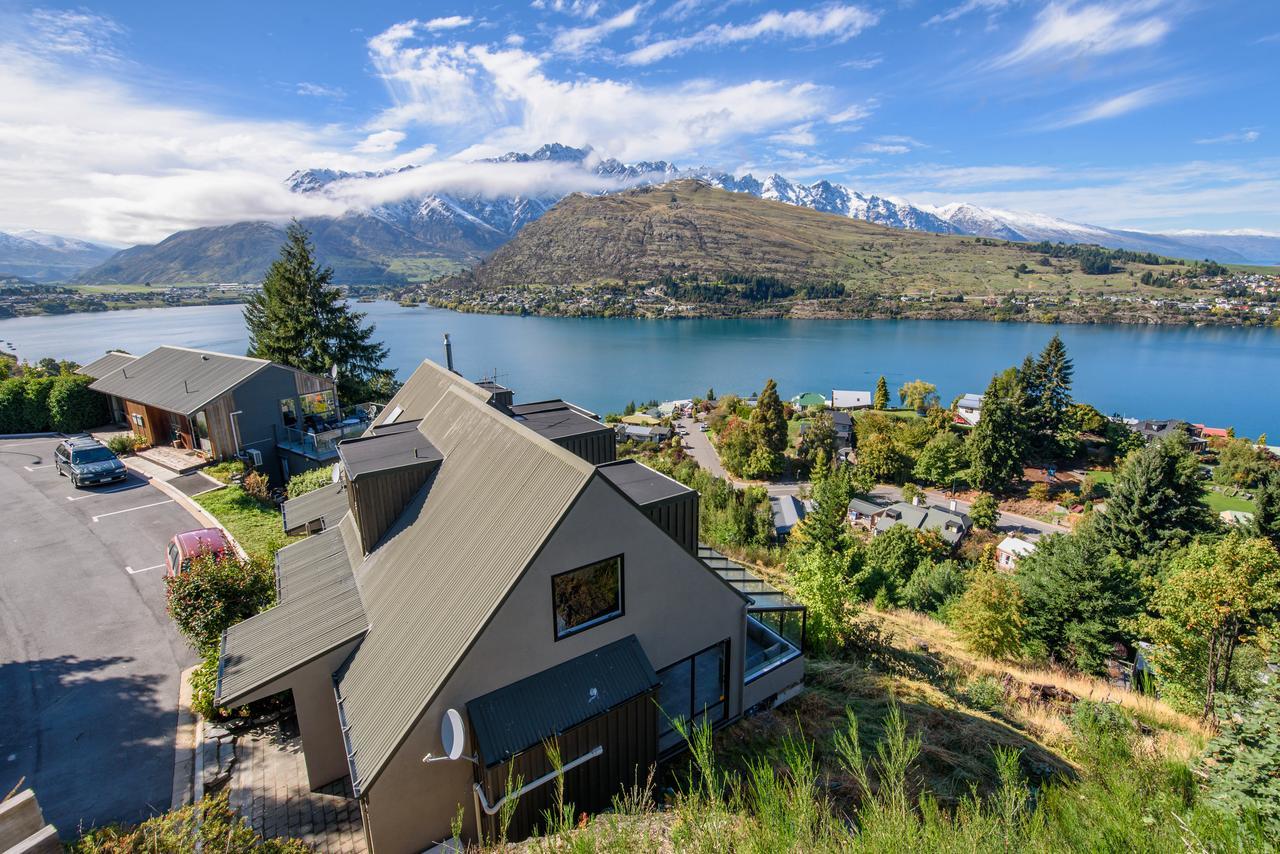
(881,398)
(997,444)
(1156,500)
(299,319)
(770,420)
(1054,371)
(1078,597)
(1266,517)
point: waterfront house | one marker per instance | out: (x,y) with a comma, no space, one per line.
(969,408)
(278,418)
(488,590)
(843,424)
(841,399)
(809,400)
(1010,551)
(948,523)
(1151,430)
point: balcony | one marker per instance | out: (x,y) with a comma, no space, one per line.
(319,439)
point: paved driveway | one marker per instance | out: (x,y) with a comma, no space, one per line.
(699,446)
(89,661)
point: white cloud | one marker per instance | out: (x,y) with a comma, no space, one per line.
(1114,106)
(836,23)
(73,33)
(1244,136)
(319,90)
(380,142)
(504,99)
(956,12)
(450,22)
(1066,31)
(576,40)
(851,114)
(892,144)
(863,64)
(798,135)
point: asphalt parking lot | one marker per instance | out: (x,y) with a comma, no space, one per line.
(90,663)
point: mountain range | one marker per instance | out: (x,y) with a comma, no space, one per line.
(422,236)
(42,257)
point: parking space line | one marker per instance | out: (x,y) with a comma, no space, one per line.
(133,571)
(33,468)
(131,509)
(122,488)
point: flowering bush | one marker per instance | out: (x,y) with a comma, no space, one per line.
(215,594)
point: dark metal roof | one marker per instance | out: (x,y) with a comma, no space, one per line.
(521,715)
(106,364)
(326,505)
(642,484)
(319,610)
(385,451)
(556,419)
(396,427)
(177,379)
(761,595)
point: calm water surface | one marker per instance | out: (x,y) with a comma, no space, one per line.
(1216,376)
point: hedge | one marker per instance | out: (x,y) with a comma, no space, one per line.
(39,404)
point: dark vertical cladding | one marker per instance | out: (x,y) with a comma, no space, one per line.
(596,448)
(679,518)
(378,499)
(629,736)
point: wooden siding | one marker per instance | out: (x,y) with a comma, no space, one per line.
(218,415)
(629,736)
(679,518)
(311,383)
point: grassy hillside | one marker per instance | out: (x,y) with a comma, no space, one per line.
(692,232)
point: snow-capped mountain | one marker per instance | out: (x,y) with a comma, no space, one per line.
(43,257)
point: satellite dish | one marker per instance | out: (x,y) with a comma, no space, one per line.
(452,736)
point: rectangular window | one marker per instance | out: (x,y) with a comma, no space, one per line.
(694,689)
(289,411)
(137,420)
(587,596)
(318,403)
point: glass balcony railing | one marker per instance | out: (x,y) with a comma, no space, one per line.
(767,644)
(321,441)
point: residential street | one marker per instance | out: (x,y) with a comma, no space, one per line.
(699,446)
(89,661)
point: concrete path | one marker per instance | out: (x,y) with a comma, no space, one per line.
(90,662)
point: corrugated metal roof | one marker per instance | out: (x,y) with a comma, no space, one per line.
(642,484)
(556,420)
(327,505)
(106,364)
(521,715)
(177,379)
(449,561)
(319,610)
(423,390)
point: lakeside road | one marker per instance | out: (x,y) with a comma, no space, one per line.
(699,446)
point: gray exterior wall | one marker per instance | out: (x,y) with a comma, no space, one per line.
(259,399)
(673,604)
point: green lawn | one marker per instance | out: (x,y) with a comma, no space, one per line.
(256,526)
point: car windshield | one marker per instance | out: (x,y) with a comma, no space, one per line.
(92,455)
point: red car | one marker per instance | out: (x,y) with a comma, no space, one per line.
(190,544)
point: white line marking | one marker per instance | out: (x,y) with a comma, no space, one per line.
(130,510)
(33,468)
(133,571)
(33,442)
(125,487)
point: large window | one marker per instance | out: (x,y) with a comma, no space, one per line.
(587,596)
(318,403)
(693,690)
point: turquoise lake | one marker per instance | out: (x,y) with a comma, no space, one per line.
(1222,377)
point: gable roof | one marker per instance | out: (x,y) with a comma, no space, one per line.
(449,561)
(319,610)
(104,365)
(178,379)
(423,390)
(970,401)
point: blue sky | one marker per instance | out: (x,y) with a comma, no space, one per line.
(125,121)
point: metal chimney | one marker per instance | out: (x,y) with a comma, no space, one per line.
(448,353)
(953,505)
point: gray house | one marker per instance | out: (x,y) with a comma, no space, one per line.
(283,420)
(947,522)
(488,589)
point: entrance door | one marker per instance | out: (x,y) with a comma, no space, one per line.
(201,426)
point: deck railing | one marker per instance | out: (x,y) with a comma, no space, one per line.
(322,443)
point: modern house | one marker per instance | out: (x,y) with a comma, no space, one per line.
(841,399)
(864,513)
(638,433)
(488,590)
(1010,551)
(1152,430)
(947,522)
(969,408)
(281,419)
(787,512)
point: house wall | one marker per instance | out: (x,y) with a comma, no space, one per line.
(671,602)
(312,686)
(258,399)
(218,415)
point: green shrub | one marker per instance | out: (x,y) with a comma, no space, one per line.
(215,594)
(12,393)
(210,826)
(985,693)
(35,404)
(932,585)
(1038,492)
(1243,764)
(309,481)
(73,406)
(204,683)
(125,443)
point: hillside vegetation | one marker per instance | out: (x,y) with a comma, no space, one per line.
(690,244)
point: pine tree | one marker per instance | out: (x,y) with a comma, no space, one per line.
(997,445)
(1054,370)
(881,399)
(769,418)
(300,320)
(1156,500)
(1266,517)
